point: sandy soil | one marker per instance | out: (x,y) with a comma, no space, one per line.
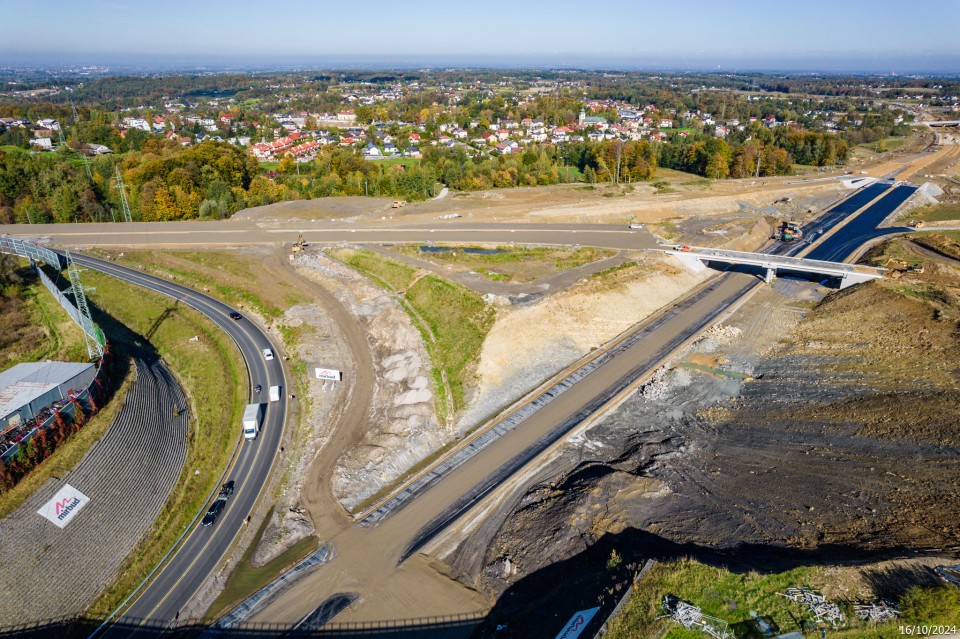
(562,203)
(821,458)
(529,344)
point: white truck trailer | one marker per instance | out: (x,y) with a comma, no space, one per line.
(252,418)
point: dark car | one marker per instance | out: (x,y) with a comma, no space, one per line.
(214,511)
(235,315)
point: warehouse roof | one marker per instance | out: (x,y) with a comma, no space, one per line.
(24,383)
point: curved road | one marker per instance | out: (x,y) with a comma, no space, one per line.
(204,547)
(200,553)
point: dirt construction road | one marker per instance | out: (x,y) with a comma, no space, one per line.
(367,558)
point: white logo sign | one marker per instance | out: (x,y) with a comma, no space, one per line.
(329,373)
(577,624)
(64,506)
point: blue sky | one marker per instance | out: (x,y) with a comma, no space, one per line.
(837,34)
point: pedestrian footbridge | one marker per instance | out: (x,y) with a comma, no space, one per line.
(696,258)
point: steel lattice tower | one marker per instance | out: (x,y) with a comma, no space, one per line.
(123,197)
(88,328)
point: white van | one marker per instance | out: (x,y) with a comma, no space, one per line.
(274,393)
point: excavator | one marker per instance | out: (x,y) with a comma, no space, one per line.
(299,245)
(788,231)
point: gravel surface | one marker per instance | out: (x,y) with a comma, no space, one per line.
(403,426)
(127,476)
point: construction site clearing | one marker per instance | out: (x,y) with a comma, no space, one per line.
(766,432)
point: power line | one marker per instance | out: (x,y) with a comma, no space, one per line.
(88,328)
(123,196)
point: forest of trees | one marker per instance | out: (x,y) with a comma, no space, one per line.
(166,181)
(163,182)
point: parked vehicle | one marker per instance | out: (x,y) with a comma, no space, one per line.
(252,419)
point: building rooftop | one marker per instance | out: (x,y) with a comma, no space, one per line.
(23,383)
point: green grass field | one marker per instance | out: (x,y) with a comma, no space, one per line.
(937,213)
(403,161)
(459,320)
(387,273)
(514,263)
(233,269)
(733,596)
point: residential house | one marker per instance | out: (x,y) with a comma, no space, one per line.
(48,123)
(95,149)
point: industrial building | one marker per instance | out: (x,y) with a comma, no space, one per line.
(26,389)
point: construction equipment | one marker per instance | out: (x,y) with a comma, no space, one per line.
(299,245)
(896,268)
(692,618)
(876,611)
(398,204)
(916,224)
(822,610)
(788,232)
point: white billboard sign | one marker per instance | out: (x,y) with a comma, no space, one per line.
(330,374)
(577,624)
(64,506)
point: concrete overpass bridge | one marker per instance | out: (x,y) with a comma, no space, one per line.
(696,258)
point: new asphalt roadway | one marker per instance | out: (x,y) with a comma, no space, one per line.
(202,549)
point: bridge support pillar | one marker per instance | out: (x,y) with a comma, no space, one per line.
(770,276)
(849,279)
(692,262)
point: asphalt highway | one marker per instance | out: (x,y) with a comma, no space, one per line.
(445,501)
(231,233)
(203,548)
(863,228)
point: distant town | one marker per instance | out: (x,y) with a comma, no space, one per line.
(415,130)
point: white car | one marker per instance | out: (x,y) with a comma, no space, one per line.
(267,354)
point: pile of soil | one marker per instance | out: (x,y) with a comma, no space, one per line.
(841,446)
(940,244)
